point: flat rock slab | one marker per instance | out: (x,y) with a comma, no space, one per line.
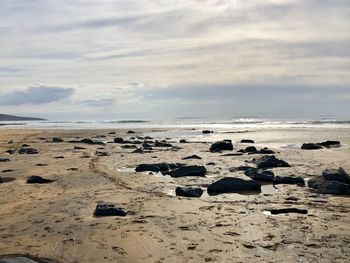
(188,191)
(193,170)
(23,259)
(233,185)
(108,209)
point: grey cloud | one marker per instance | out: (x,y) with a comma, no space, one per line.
(99,102)
(36,95)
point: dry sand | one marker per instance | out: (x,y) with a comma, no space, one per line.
(55,220)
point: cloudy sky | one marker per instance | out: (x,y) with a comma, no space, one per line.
(117,59)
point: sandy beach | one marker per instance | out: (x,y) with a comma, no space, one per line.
(55,221)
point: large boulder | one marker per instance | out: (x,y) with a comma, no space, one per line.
(38,180)
(156,167)
(192,170)
(270,161)
(289,180)
(233,185)
(311,146)
(264,176)
(189,191)
(108,209)
(25,150)
(334,188)
(221,146)
(118,140)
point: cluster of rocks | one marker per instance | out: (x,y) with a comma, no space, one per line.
(254,150)
(317,146)
(87,141)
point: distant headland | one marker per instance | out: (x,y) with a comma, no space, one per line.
(5,117)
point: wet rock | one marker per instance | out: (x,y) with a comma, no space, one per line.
(38,180)
(207,132)
(4,160)
(130,132)
(101,154)
(311,146)
(247,141)
(11,151)
(162,144)
(192,170)
(264,176)
(270,161)
(329,144)
(57,140)
(192,157)
(184,141)
(221,146)
(289,180)
(287,210)
(108,209)
(28,151)
(233,185)
(189,191)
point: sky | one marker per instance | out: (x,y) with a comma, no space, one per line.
(158,59)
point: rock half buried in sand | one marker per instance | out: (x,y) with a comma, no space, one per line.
(184,141)
(4,160)
(289,180)
(207,132)
(192,170)
(264,176)
(192,157)
(156,167)
(331,181)
(329,144)
(270,161)
(101,154)
(233,185)
(28,151)
(287,211)
(56,139)
(247,141)
(38,180)
(108,209)
(1,181)
(311,146)
(188,191)
(221,146)
(23,259)
(162,144)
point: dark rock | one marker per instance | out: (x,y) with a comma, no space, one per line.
(206,131)
(211,163)
(336,175)
(184,141)
(311,146)
(247,141)
(188,191)
(128,146)
(4,160)
(130,132)
(233,185)
(264,176)
(25,145)
(162,144)
(221,146)
(232,154)
(11,151)
(138,150)
(192,157)
(59,157)
(79,148)
(112,133)
(73,169)
(41,164)
(289,180)
(118,140)
(157,167)
(28,151)
(249,149)
(23,259)
(192,170)
(108,209)
(101,154)
(38,180)
(334,188)
(287,210)
(90,141)
(56,139)
(270,161)
(329,144)
(11,142)
(8,171)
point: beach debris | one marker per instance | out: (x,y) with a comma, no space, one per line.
(287,211)
(57,139)
(108,209)
(221,146)
(247,141)
(192,157)
(28,151)
(332,181)
(263,176)
(192,170)
(289,180)
(38,180)
(189,191)
(233,185)
(270,161)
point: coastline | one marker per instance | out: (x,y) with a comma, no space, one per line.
(55,220)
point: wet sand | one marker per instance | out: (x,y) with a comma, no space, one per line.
(56,220)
